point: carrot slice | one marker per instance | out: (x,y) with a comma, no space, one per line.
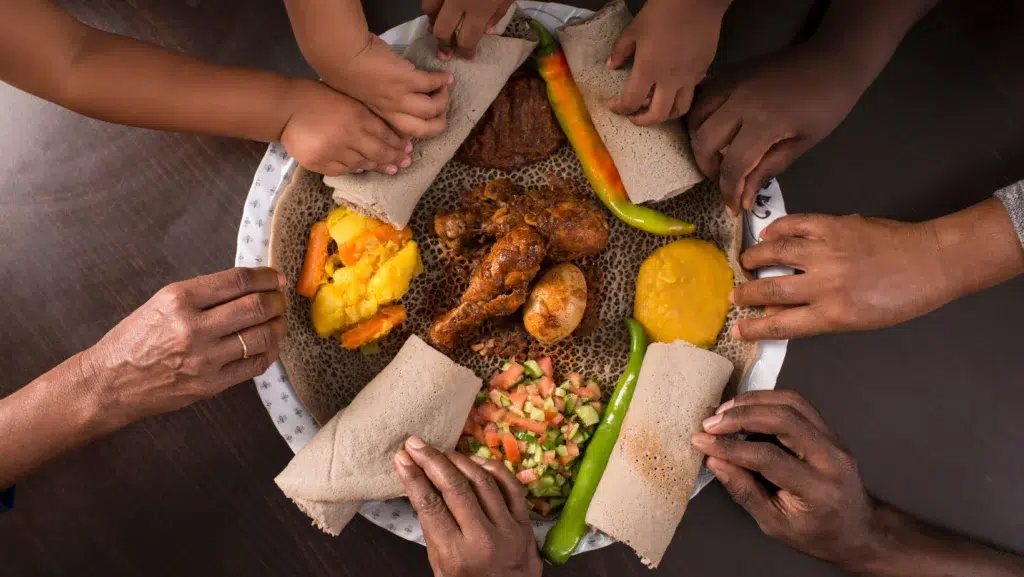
(373,328)
(511,447)
(316,258)
(353,250)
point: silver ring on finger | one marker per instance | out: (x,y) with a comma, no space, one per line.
(245,348)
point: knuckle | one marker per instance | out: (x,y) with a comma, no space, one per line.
(774,328)
(257,306)
(243,279)
(260,364)
(173,298)
(429,504)
(772,290)
(458,488)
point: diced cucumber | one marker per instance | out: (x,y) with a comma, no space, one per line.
(565,385)
(549,445)
(510,466)
(528,406)
(512,409)
(484,453)
(559,480)
(506,366)
(549,405)
(474,446)
(566,489)
(573,429)
(587,415)
(556,502)
(560,393)
(562,451)
(481,397)
(538,415)
(505,401)
(524,436)
(541,468)
(570,403)
(533,369)
(578,438)
(529,463)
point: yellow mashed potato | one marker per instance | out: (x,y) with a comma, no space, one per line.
(682,292)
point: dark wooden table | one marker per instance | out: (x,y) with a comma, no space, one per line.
(94,218)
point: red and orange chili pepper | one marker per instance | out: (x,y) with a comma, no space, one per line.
(567,103)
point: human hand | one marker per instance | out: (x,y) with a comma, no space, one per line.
(333,134)
(672,43)
(186,343)
(821,507)
(473,513)
(413,101)
(460,24)
(747,126)
(859,274)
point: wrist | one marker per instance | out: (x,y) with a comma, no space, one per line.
(881,550)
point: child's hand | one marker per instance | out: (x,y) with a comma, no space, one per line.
(672,43)
(460,24)
(413,101)
(746,127)
(333,134)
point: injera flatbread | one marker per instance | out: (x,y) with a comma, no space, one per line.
(653,468)
(420,392)
(655,162)
(477,83)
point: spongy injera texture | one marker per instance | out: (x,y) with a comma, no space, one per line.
(326,377)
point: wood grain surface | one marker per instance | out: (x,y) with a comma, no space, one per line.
(94,218)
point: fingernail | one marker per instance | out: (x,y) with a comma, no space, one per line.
(391,169)
(478,459)
(608,63)
(444,56)
(735,332)
(406,162)
(281,281)
(725,406)
(701,440)
(415,443)
(403,458)
(359,171)
(732,296)
(490,29)
(710,422)
(451,78)
(408,147)
(731,210)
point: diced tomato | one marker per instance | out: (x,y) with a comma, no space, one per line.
(519,389)
(549,457)
(597,406)
(511,446)
(537,401)
(505,380)
(532,390)
(492,438)
(546,387)
(491,412)
(527,476)
(522,446)
(518,398)
(565,460)
(572,448)
(541,506)
(555,418)
(560,403)
(478,434)
(575,380)
(538,427)
(591,391)
(547,367)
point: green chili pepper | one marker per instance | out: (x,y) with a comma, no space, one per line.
(572,525)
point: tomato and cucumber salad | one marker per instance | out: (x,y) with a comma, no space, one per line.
(536,426)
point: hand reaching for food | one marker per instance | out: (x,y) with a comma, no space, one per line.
(746,127)
(473,513)
(460,24)
(333,134)
(672,43)
(868,273)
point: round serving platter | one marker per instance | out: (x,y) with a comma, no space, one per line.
(296,425)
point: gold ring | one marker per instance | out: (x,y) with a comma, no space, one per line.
(245,349)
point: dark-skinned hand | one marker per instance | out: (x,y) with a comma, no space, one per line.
(460,24)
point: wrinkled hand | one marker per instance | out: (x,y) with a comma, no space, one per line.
(859,274)
(412,101)
(672,43)
(748,126)
(820,507)
(333,134)
(181,346)
(473,513)
(460,24)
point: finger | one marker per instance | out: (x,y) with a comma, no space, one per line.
(470,33)
(634,96)
(713,136)
(386,159)
(456,489)
(426,81)
(499,13)
(797,322)
(447,21)
(486,486)
(242,370)
(813,226)
(744,490)
(795,431)
(622,50)
(706,102)
(247,311)
(511,488)
(432,7)
(780,397)
(745,151)
(658,111)
(438,523)
(783,290)
(780,156)
(385,134)
(418,127)
(211,290)
(787,250)
(684,98)
(265,338)
(335,168)
(776,465)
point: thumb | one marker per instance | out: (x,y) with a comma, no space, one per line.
(622,50)
(778,157)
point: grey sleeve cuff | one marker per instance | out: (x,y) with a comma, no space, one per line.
(1013,199)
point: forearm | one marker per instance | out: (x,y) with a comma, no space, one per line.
(866,33)
(126,81)
(329,32)
(58,411)
(905,547)
(979,248)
